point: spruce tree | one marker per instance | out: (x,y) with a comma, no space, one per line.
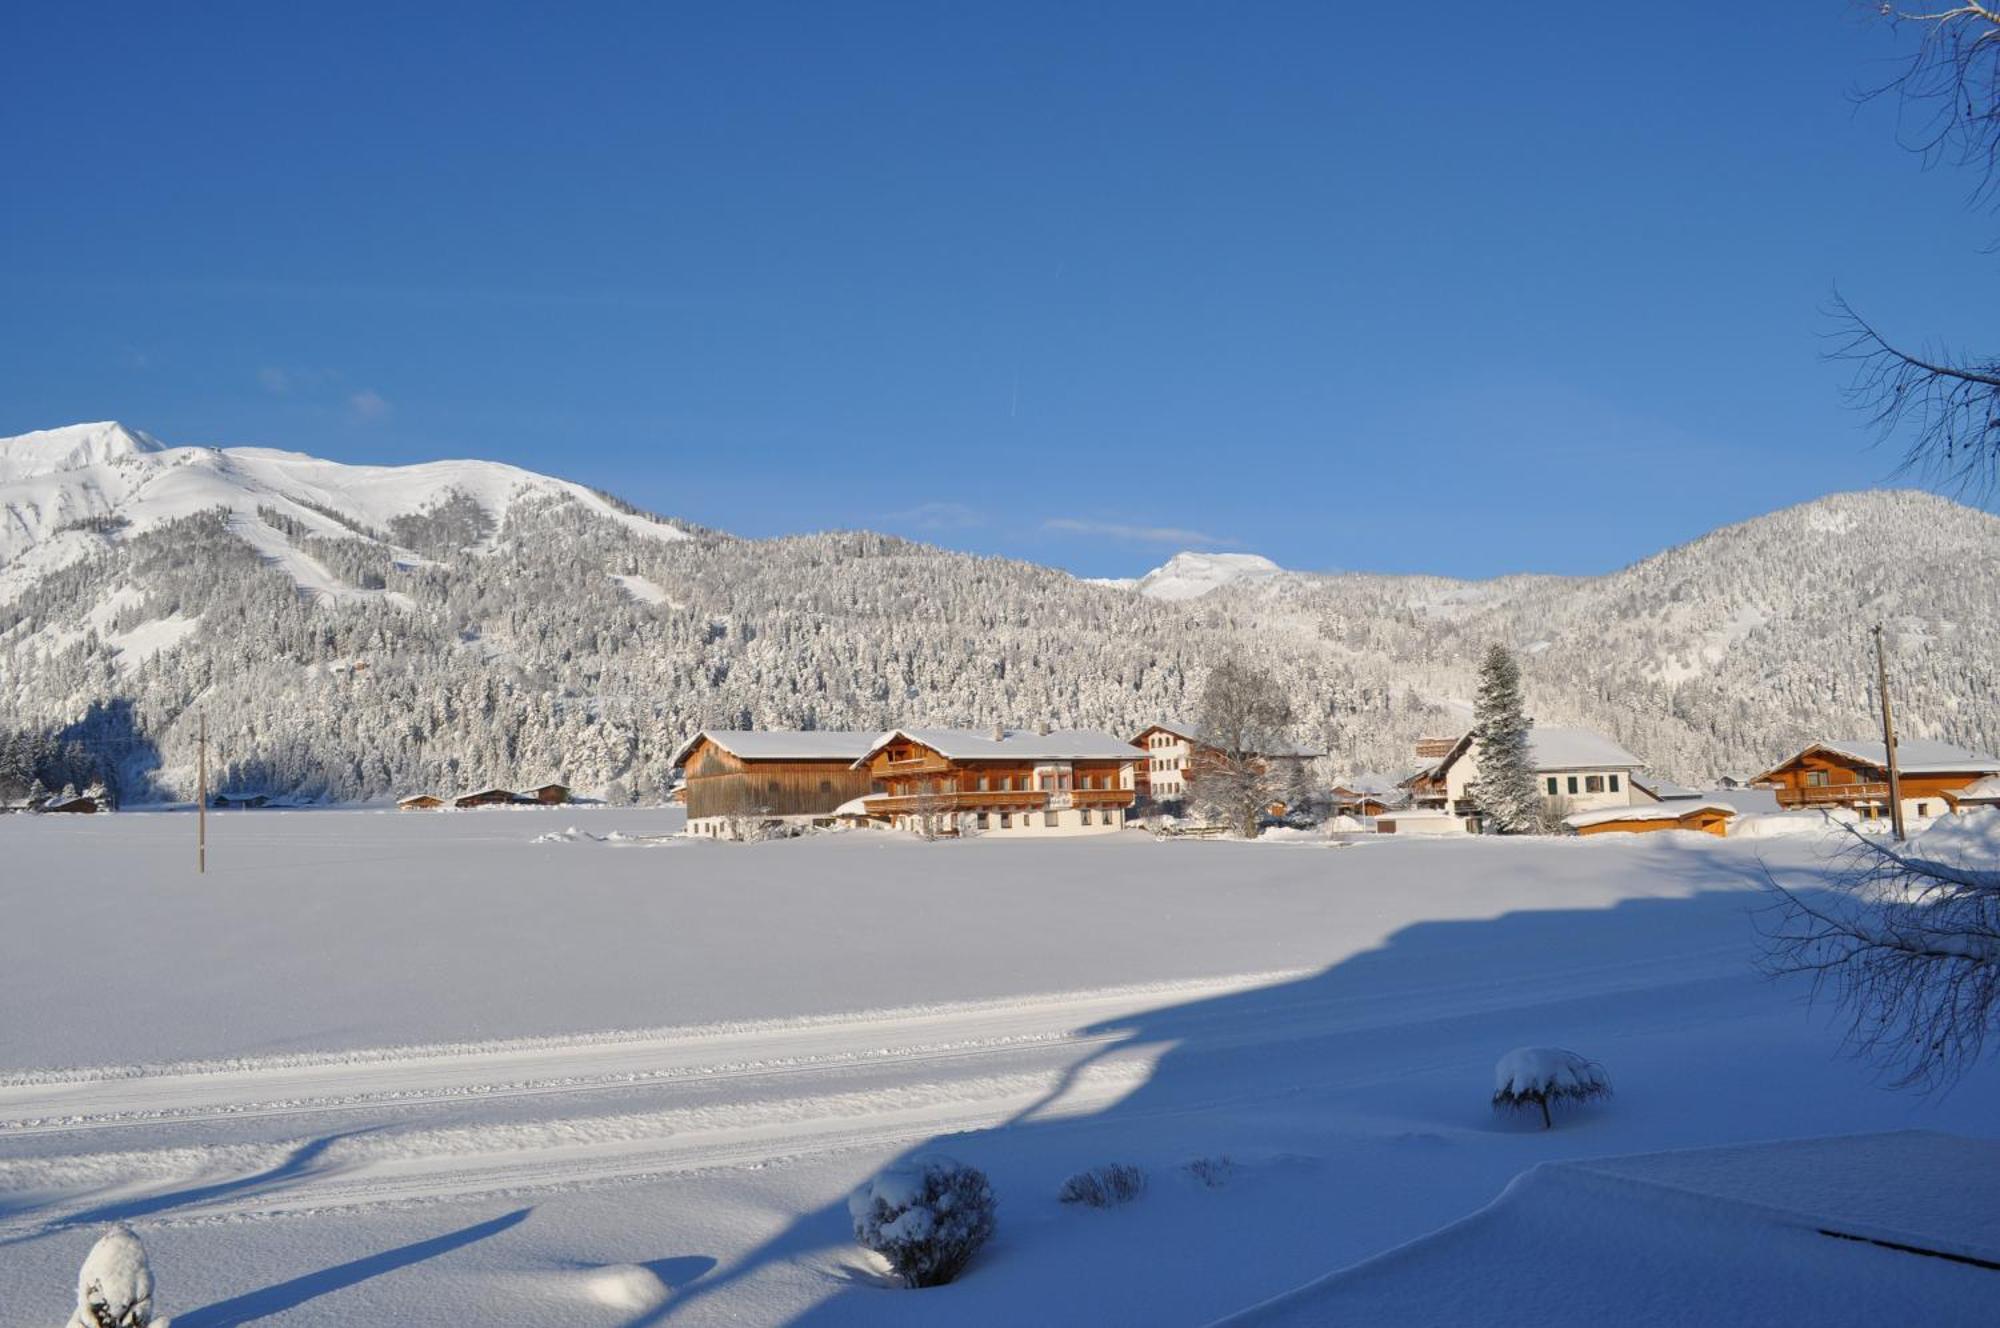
(1506,790)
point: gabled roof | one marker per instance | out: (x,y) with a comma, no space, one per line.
(1914,756)
(1666,790)
(1647,811)
(1577,749)
(1551,748)
(1014,744)
(782,744)
(1191,733)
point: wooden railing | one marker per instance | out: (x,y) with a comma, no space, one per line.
(1817,795)
(953,800)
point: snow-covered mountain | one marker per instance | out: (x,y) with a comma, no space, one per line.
(61,487)
(356,631)
(1191,575)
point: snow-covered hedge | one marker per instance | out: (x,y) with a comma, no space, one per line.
(927,1216)
(1104,1187)
(115,1287)
(1537,1076)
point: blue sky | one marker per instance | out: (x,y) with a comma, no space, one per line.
(1459,288)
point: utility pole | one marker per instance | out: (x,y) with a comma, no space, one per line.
(1889,736)
(201,806)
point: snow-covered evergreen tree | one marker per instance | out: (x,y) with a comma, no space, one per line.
(1505,790)
(114,1289)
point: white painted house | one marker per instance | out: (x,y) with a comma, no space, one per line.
(1576,770)
(1170,748)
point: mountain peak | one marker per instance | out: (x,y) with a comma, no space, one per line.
(1189,574)
(71,447)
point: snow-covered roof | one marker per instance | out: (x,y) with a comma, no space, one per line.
(1646,811)
(1577,749)
(1552,748)
(783,744)
(1014,744)
(1914,756)
(1667,791)
(1192,733)
(1981,790)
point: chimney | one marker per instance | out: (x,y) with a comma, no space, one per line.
(1043,728)
(999,733)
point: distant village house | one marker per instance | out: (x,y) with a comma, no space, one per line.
(1006,781)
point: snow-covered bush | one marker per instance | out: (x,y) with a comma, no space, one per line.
(1104,1187)
(1537,1076)
(927,1216)
(115,1288)
(1214,1172)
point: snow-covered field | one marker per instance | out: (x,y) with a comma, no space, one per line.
(383,1069)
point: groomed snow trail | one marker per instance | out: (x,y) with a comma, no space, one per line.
(302,1134)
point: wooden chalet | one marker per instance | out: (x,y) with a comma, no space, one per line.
(1854,773)
(949,781)
(1711,818)
(548,795)
(1355,802)
(238,801)
(737,777)
(492,797)
(419,802)
(77,804)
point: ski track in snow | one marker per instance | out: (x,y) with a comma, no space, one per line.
(690,1100)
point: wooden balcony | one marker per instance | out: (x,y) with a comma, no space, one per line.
(1831,795)
(994,800)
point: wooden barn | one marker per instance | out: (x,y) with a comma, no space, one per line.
(419,802)
(1854,773)
(1709,818)
(737,777)
(77,804)
(949,781)
(548,795)
(492,797)
(238,801)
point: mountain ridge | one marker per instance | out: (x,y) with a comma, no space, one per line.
(508,625)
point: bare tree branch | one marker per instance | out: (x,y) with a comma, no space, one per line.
(1947,96)
(1949,410)
(1907,947)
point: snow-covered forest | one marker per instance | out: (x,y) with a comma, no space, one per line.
(352,640)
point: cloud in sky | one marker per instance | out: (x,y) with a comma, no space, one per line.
(1172,536)
(368,404)
(939,516)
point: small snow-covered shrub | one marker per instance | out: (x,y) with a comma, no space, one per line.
(927,1217)
(1537,1076)
(115,1288)
(1104,1187)
(1213,1172)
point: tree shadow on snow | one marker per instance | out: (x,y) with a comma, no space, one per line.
(283,1296)
(1435,997)
(307,1159)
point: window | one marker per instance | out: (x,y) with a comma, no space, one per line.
(1614,782)
(1552,786)
(1572,783)
(771,786)
(981,820)
(1006,820)
(1049,819)
(1818,778)
(1924,809)
(826,786)
(1593,783)
(1084,816)
(982,785)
